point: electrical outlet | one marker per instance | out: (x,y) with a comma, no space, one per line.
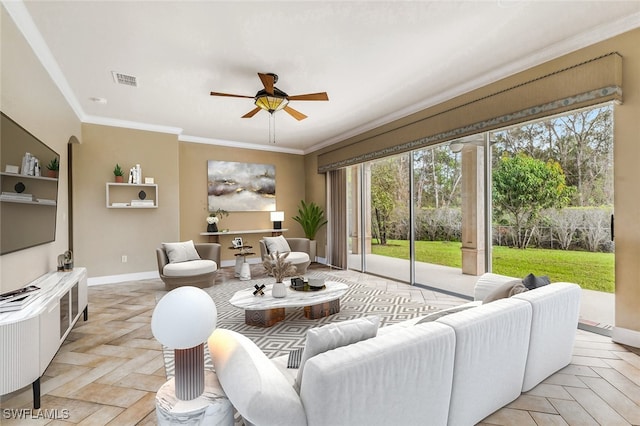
(124,258)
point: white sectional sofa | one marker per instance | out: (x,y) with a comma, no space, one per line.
(455,370)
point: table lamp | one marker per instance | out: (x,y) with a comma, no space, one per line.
(277,218)
(183,320)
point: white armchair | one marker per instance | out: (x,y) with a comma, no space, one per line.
(298,249)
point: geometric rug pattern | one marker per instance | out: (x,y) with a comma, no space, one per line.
(280,339)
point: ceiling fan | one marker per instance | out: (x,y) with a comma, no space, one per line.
(272,99)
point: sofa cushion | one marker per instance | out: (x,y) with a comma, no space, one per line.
(505,290)
(188,269)
(181,252)
(399,378)
(255,387)
(277,244)
(331,336)
(531,281)
(556,309)
(491,348)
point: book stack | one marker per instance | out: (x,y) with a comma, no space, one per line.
(14,196)
(17,299)
(30,165)
(119,204)
(142,203)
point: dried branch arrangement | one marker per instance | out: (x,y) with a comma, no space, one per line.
(276,264)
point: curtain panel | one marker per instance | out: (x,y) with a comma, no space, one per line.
(337,246)
(588,83)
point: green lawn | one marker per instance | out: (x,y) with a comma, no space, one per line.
(594,271)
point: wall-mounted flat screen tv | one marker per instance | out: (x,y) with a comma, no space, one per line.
(29,183)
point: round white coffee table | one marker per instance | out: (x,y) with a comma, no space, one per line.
(266,310)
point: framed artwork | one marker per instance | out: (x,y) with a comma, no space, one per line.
(237,242)
(241,187)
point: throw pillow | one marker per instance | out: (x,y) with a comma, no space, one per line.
(331,336)
(531,281)
(505,290)
(277,244)
(181,252)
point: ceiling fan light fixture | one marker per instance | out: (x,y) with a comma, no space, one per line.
(271,103)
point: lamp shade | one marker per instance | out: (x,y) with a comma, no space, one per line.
(184,318)
(277,216)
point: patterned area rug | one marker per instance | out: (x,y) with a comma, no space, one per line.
(359,300)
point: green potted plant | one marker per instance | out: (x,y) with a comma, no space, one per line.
(311,218)
(118,173)
(54,167)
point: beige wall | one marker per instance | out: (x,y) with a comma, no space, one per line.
(28,96)
(102,236)
(290,189)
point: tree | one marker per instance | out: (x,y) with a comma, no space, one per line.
(384,188)
(522,187)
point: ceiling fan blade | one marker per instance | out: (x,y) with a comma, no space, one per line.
(230,95)
(295,114)
(322,96)
(252,112)
(267,81)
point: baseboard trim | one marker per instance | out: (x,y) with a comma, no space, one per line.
(626,336)
(115,279)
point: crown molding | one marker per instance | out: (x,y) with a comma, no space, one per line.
(243,145)
(115,122)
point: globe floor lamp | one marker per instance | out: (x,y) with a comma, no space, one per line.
(183,320)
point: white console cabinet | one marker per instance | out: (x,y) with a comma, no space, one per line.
(31,336)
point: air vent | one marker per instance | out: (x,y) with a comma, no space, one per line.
(125,79)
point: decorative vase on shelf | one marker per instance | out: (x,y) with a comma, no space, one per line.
(212,227)
(279,290)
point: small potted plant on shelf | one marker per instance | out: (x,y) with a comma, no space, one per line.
(214,218)
(118,173)
(54,167)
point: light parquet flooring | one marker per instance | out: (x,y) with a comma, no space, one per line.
(109,368)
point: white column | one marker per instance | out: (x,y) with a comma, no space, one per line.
(473,220)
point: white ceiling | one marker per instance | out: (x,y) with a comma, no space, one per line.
(378,61)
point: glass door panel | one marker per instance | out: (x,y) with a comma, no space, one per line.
(552,199)
(388,212)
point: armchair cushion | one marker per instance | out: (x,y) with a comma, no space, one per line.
(189,269)
(277,244)
(181,252)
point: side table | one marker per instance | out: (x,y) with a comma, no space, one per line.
(242,271)
(211,408)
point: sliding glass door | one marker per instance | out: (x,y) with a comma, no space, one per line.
(536,198)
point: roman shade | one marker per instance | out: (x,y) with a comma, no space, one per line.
(588,83)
